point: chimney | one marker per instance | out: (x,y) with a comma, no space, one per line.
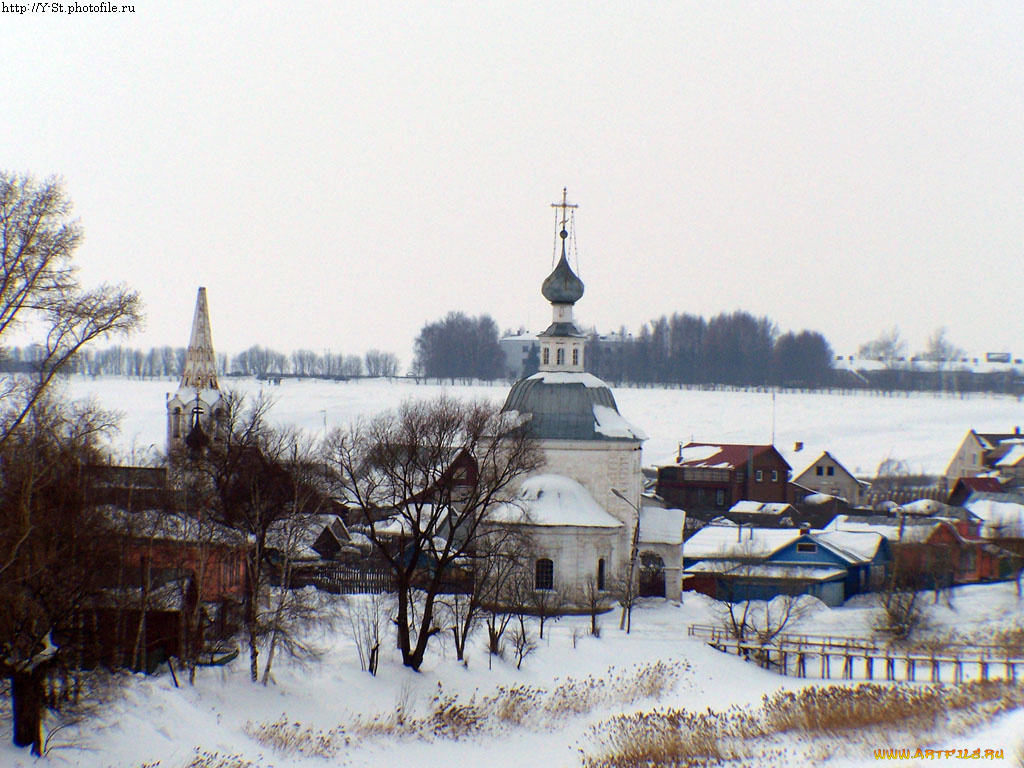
(1016,431)
(679,454)
(799,446)
(805,529)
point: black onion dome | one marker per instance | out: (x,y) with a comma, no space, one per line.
(561,406)
(562,286)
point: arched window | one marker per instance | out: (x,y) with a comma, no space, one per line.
(546,357)
(176,423)
(560,356)
(544,577)
(600,575)
(575,356)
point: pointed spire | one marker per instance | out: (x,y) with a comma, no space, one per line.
(200,370)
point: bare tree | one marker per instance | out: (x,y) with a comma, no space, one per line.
(253,489)
(39,288)
(427,479)
(499,556)
(290,613)
(595,600)
(52,550)
(889,347)
(367,617)
(899,613)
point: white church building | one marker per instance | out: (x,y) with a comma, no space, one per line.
(196,407)
(583,512)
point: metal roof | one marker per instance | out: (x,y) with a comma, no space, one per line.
(563,409)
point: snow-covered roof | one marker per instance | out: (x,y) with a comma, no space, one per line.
(856,546)
(819,498)
(761,507)
(1000,518)
(723,541)
(765,570)
(207,396)
(1012,457)
(611,423)
(661,526)
(696,453)
(554,500)
(569,377)
(922,507)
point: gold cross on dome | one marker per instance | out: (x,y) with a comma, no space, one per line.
(565,205)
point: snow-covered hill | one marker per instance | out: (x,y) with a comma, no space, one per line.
(861,430)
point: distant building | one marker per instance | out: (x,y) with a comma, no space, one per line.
(517,350)
(716,476)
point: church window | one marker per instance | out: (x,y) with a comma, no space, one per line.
(575,356)
(176,422)
(601,575)
(544,577)
(546,356)
(560,356)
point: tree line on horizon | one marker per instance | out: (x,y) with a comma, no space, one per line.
(730,348)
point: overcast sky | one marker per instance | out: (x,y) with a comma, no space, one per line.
(339,173)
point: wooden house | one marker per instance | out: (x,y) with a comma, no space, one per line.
(827,475)
(735,563)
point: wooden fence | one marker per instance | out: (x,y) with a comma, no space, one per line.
(340,580)
(852,658)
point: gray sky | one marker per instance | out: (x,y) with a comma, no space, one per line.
(339,173)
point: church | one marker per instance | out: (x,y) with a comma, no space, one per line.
(584,513)
(197,406)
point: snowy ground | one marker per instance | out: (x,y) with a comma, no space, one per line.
(860,430)
(153,723)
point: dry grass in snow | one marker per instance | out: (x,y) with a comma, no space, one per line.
(815,719)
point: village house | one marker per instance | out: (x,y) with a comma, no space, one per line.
(736,563)
(827,475)
(717,476)
(980,453)
(931,553)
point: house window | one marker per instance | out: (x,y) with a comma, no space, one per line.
(546,357)
(544,576)
(759,475)
(819,471)
(575,356)
(720,498)
(739,475)
(775,475)
(601,575)
(831,471)
(560,356)
(806,546)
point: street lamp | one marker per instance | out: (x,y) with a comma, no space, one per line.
(629,597)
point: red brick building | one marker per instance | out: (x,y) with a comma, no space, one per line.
(713,476)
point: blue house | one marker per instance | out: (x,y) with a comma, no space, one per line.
(735,563)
